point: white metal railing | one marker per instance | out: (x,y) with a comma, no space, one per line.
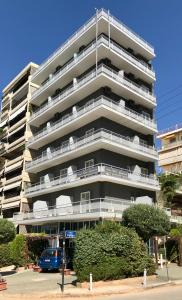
(74,61)
(99,205)
(99,169)
(113,21)
(100,134)
(172,128)
(90,105)
(88,77)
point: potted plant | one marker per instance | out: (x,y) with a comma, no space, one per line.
(3,283)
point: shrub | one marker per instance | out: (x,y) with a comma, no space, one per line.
(110,251)
(147,220)
(7,231)
(18,250)
(5,255)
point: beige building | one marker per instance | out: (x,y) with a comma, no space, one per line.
(15,113)
(170,160)
(170,153)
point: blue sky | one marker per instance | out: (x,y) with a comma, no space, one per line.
(30,30)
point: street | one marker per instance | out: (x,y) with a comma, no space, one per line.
(162,293)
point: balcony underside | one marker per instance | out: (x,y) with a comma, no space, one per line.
(88,35)
(99,111)
(72,217)
(74,182)
(83,65)
(87,89)
(92,147)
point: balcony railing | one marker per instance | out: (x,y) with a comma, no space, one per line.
(89,106)
(101,13)
(100,169)
(98,135)
(74,61)
(102,69)
(93,207)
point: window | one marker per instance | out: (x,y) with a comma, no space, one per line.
(85,196)
(89,132)
(89,163)
(172,140)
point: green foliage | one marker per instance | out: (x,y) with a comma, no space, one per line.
(7,231)
(18,250)
(172,250)
(5,255)
(36,244)
(110,251)
(176,232)
(147,220)
(169,184)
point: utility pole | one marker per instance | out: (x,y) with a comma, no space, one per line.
(63,262)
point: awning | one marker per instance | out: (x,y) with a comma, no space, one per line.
(11,205)
(14,166)
(12,186)
(19,111)
(16,130)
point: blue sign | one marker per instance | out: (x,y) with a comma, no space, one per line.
(70,234)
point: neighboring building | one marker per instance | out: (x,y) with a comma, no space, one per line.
(170,153)
(14,135)
(170,161)
(93,129)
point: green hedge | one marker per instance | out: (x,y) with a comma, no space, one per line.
(110,251)
(5,255)
(19,251)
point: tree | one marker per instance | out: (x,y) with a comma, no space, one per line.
(176,235)
(110,251)
(169,184)
(147,220)
(7,231)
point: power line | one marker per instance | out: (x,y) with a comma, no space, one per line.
(170,91)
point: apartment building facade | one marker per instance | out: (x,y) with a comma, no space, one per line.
(170,152)
(92,123)
(170,162)
(14,134)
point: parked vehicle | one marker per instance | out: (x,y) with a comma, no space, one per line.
(51,259)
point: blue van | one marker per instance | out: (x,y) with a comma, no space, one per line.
(51,259)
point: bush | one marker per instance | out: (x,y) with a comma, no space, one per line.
(5,255)
(7,231)
(18,251)
(110,251)
(147,220)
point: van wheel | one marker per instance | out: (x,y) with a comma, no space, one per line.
(44,270)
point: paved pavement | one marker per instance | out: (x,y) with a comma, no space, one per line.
(174,272)
(32,282)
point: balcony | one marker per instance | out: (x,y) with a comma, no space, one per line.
(111,49)
(100,139)
(87,32)
(92,110)
(83,210)
(103,76)
(100,172)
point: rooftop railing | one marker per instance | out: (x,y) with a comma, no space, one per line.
(90,207)
(97,135)
(74,61)
(102,69)
(101,13)
(99,169)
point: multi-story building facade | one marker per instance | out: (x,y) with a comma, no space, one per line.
(92,124)
(170,161)
(15,114)
(170,153)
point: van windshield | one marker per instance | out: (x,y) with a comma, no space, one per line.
(51,253)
